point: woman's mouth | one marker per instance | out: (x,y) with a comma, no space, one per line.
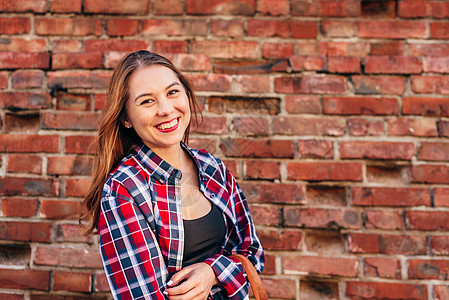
(168,126)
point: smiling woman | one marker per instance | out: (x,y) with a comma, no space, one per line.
(169,217)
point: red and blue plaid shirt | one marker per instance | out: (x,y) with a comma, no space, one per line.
(141,228)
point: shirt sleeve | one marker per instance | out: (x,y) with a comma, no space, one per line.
(131,256)
(230,272)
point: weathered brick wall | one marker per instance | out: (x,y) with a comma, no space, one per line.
(334,116)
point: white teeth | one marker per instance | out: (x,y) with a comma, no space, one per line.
(167,125)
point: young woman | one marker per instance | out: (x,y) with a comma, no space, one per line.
(168,216)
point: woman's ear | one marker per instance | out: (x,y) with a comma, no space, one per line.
(126,124)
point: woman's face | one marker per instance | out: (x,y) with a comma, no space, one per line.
(158,107)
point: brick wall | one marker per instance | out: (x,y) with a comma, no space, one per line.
(334,116)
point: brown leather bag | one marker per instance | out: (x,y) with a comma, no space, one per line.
(253,277)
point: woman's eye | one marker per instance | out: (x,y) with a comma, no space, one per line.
(172,92)
(146,101)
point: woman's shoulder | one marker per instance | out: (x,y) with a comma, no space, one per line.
(127,168)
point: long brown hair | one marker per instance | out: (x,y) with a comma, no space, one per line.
(114,141)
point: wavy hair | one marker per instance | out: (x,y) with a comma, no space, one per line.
(114,141)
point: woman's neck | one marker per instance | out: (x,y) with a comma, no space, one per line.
(174,155)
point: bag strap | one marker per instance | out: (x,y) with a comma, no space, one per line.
(253,277)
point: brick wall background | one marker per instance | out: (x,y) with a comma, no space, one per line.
(334,116)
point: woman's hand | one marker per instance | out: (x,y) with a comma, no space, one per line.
(191,283)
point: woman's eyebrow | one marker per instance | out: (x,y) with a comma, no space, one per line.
(150,94)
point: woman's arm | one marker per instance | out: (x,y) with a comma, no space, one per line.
(131,256)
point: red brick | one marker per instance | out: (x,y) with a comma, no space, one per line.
(19,186)
(264,192)
(27,79)
(390,175)
(413,127)
(220,7)
(70,120)
(244,105)
(257,169)
(391,29)
(211,82)
(344,64)
(79,144)
(421,8)
(227,28)
(9,296)
(192,62)
(280,287)
(29,143)
(330,266)
(14,25)
(312,63)
(71,281)
(315,149)
(72,79)
(67,257)
(70,233)
(169,47)
(3,80)
(74,102)
(266,215)
(439,244)
(310,85)
(292,125)
(77,187)
(277,50)
(20,163)
(441,292)
(22,60)
(270,264)
(379,9)
(121,27)
(115,45)
(51,209)
(19,207)
(325,243)
(430,85)
(386,244)
(211,125)
(325,8)
(312,47)
(357,49)
(364,127)
(270,28)
(226,49)
(429,174)
(37,6)
(392,65)
(330,219)
(324,171)
(174,27)
(429,49)
(23,45)
(168,7)
(389,48)
(251,125)
(337,28)
(377,150)
(433,151)
(25,279)
(425,106)
(443,128)
(68,26)
(318,289)
(299,104)
(419,220)
(62,6)
(15,254)
(326,196)
(24,100)
(69,165)
(386,290)
(428,269)
(101,282)
(260,148)
(91,60)
(276,8)
(380,219)
(435,64)
(360,106)
(25,231)
(382,267)
(253,84)
(65,45)
(379,84)
(138,7)
(441,197)
(26,123)
(112,59)
(439,31)
(250,66)
(380,196)
(286,239)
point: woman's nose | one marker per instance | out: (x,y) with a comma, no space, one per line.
(165,107)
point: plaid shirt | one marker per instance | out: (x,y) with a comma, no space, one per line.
(141,228)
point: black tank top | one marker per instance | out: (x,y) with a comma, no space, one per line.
(203,237)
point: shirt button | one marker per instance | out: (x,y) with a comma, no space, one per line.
(212,195)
